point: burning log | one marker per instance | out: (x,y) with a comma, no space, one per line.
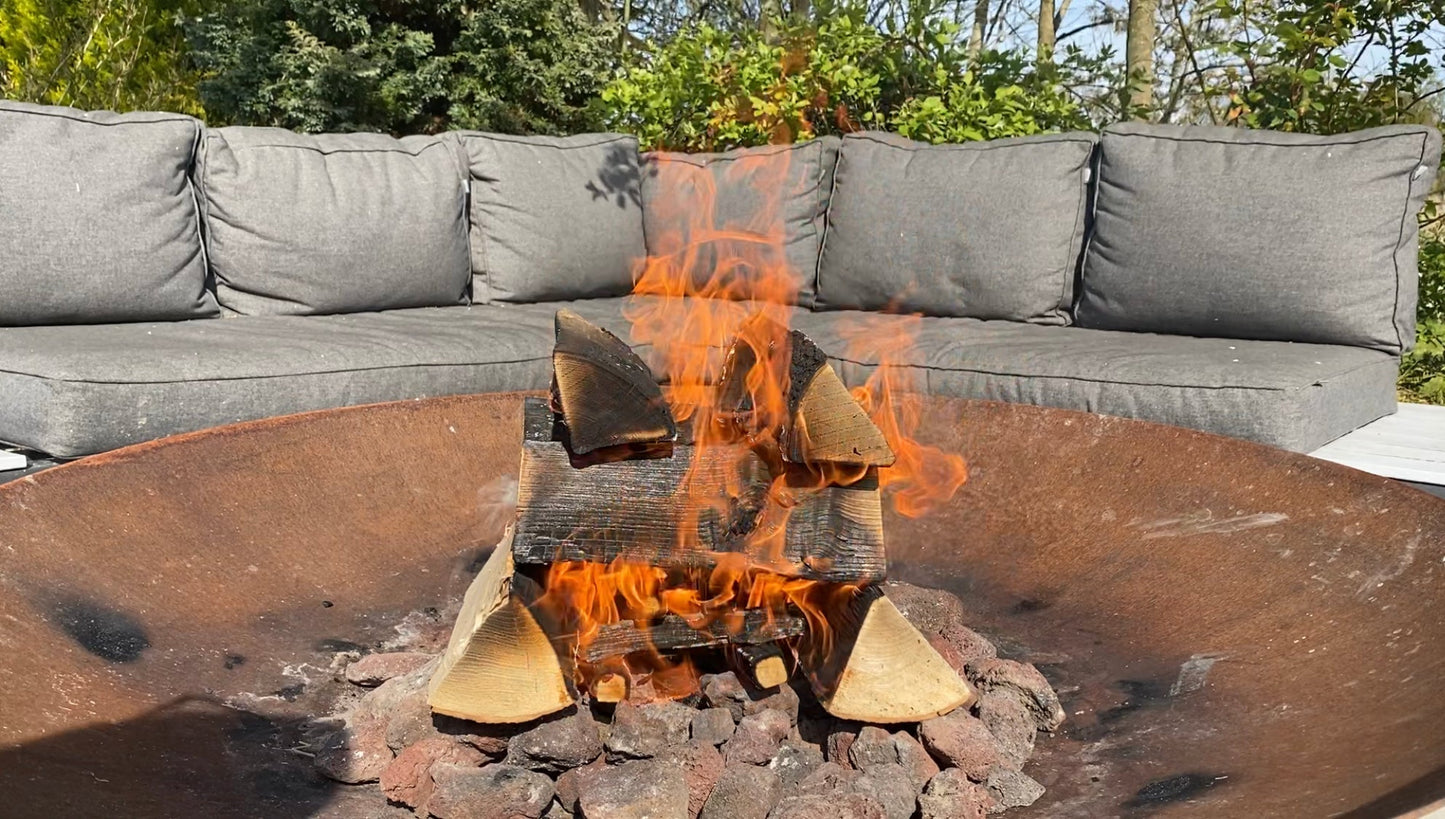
(637,508)
(607,395)
(672,633)
(499,667)
(857,675)
(765,664)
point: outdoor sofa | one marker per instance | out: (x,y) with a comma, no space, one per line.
(158,276)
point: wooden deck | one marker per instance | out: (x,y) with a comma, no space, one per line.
(1407,446)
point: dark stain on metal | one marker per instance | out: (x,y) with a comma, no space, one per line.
(234,660)
(291,692)
(1029,605)
(334,645)
(1174,789)
(108,633)
(1138,694)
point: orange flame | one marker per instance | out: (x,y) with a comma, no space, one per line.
(715,282)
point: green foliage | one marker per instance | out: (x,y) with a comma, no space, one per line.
(1422,373)
(709,89)
(121,55)
(403,66)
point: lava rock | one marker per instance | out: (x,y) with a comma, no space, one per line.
(640,789)
(410,722)
(1012,789)
(558,744)
(743,792)
(915,759)
(489,792)
(950,795)
(757,738)
(783,698)
(702,765)
(795,761)
(828,778)
(357,752)
(375,669)
(840,806)
(642,731)
(961,741)
(872,747)
(1023,681)
(713,725)
(890,785)
(408,778)
(840,742)
(1012,726)
(571,783)
(725,691)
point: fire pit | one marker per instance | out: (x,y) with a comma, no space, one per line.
(1232,629)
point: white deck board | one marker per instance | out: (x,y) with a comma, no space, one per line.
(11,461)
(1408,446)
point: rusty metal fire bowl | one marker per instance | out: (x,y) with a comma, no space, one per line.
(1234,630)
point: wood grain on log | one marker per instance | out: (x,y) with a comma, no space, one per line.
(672,633)
(607,394)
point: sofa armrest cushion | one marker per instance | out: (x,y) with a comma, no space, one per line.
(308,224)
(729,223)
(98,217)
(1213,231)
(553,218)
(988,230)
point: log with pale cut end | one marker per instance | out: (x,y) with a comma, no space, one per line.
(672,633)
(607,394)
(880,668)
(499,666)
(828,423)
(766,664)
(610,687)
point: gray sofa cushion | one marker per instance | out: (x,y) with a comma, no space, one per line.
(989,230)
(73,391)
(1256,234)
(302,224)
(553,217)
(1294,396)
(724,216)
(98,218)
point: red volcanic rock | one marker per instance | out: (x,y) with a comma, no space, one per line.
(795,761)
(408,778)
(950,795)
(489,792)
(702,765)
(641,731)
(641,789)
(713,725)
(915,760)
(1012,726)
(890,785)
(961,741)
(743,792)
(836,806)
(558,744)
(840,742)
(1012,789)
(357,753)
(375,669)
(1023,681)
(872,747)
(757,738)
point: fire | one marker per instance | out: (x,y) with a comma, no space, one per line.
(714,284)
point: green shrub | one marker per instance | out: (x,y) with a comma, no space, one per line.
(708,89)
(1422,373)
(403,66)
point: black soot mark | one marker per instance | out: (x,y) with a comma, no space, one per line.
(291,692)
(1138,694)
(1028,605)
(1173,789)
(335,644)
(233,660)
(107,633)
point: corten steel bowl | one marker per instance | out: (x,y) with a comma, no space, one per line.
(1234,630)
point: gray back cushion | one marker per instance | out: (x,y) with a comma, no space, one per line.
(1255,234)
(301,224)
(739,218)
(553,217)
(98,218)
(989,230)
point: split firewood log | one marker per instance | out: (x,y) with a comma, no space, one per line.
(607,395)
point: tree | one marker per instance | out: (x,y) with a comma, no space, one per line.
(122,55)
(1139,53)
(403,66)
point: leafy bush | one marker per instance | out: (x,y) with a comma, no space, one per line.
(121,55)
(402,66)
(1422,373)
(708,89)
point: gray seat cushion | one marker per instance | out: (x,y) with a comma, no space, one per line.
(553,217)
(1293,396)
(728,224)
(98,217)
(73,391)
(990,230)
(1256,234)
(301,224)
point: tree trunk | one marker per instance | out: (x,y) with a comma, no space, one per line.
(980,22)
(1139,54)
(1045,48)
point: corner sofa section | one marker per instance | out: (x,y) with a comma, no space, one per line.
(348,269)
